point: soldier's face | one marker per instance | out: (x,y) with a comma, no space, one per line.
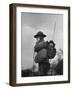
(38,39)
(51,45)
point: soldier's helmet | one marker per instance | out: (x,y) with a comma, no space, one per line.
(39,34)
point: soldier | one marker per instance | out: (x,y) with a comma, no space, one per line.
(51,49)
(51,54)
(41,57)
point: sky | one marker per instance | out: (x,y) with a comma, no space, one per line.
(31,23)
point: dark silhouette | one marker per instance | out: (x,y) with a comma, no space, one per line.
(26,73)
(59,68)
